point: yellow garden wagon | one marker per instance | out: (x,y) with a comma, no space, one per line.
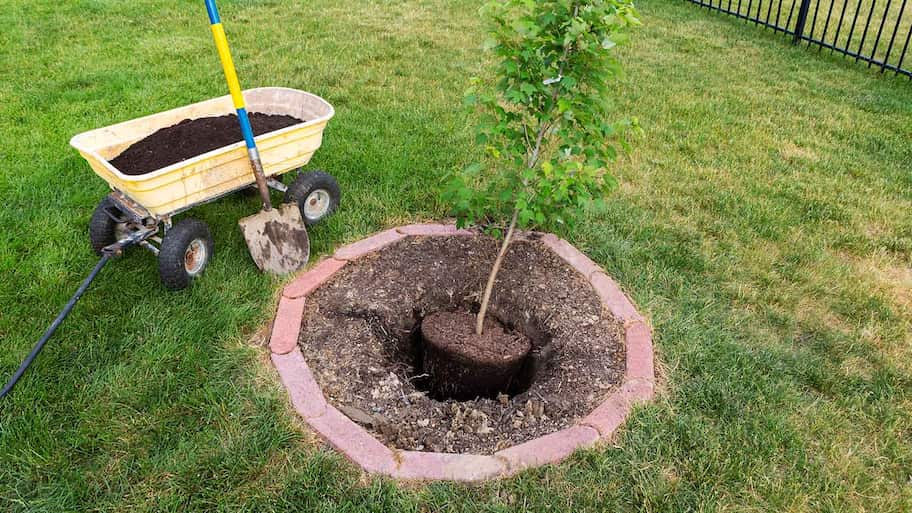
(141,209)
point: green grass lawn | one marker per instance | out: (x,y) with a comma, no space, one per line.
(836,20)
(762,224)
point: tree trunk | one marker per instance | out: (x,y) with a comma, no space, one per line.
(486,297)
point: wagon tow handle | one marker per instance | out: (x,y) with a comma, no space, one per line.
(107,254)
(276,238)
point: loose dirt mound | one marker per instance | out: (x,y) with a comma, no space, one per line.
(192,137)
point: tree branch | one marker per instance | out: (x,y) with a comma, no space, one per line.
(526,137)
(533,158)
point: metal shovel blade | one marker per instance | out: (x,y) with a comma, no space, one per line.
(277,239)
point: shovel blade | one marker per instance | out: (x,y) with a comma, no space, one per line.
(277,239)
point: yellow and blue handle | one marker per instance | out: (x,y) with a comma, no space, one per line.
(221,43)
(234,86)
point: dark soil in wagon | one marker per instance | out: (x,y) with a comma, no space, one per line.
(360,335)
(190,138)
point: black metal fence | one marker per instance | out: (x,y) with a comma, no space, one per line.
(873,31)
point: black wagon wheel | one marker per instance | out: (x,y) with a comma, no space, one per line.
(317,195)
(185,252)
(103,229)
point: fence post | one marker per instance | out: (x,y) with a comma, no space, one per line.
(802,19)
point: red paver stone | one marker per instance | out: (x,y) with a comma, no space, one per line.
(614,298)
(549,448)
(287,325)
(639,352)
(353,441)
(638,390)
(368,245)
(422,466)
(432,229)
(609,415)
(313,278)
(573,256)
(305,393)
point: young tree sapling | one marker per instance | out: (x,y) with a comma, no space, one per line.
(543,118)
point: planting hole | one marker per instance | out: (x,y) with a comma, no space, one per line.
(361,334)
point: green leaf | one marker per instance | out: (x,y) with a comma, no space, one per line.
(524,216)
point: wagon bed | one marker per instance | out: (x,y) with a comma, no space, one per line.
(182,185)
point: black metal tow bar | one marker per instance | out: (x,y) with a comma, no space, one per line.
(107,254)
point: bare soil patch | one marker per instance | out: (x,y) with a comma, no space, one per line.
(360,335)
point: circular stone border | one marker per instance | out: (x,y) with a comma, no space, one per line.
(374,457)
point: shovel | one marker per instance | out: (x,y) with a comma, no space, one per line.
(276,238)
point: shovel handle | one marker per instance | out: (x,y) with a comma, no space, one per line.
(234,86)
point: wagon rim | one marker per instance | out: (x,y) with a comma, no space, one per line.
(317,204)
(195,257)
